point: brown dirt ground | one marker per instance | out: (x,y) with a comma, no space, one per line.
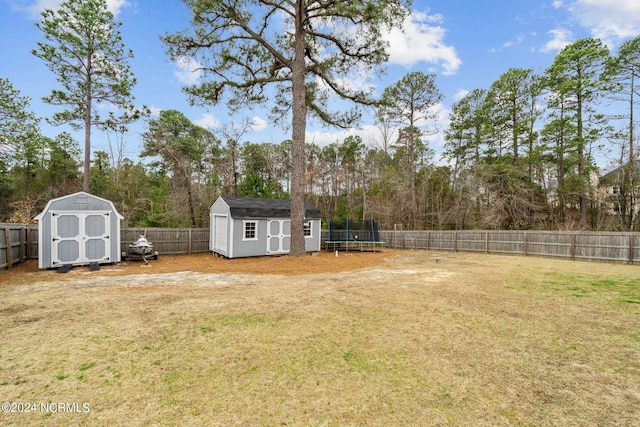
(322,262)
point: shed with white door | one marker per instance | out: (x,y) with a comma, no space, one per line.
(245,227)
(78,229)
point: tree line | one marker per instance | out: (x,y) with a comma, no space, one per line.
(519,154)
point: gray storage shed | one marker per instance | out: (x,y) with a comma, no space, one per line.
(78,229)
(244,227)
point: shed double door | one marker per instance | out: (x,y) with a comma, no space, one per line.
(278,236)
(80,237)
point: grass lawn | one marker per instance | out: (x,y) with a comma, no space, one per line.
(413,338)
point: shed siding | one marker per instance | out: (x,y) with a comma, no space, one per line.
(80,203)
(312,243)
(247,248)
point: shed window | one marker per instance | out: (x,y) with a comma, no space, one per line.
(250,230)
(307,228)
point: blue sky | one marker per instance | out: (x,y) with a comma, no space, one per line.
(467,44)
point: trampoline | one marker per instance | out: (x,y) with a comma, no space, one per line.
(353,234)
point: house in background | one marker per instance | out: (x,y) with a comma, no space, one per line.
(245,227)
(618,191)
(78,229)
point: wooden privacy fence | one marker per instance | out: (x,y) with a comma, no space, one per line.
(169,241)
(19,242)
(595,246)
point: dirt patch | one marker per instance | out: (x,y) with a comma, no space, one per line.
(206,263)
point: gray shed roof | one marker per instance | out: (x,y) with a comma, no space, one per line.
(79,202)
(248,207)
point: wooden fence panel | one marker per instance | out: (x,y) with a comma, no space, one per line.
(548,243)
(616,247)
(15,244)
(440,240)
(471,240)
(511,242)
(20,242)
(169,241)
(601,246)
(634,247)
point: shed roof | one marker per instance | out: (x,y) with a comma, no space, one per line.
(266,208)
(81,195)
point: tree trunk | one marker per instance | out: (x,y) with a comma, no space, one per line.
(632,163)
(192,213)
(582,174)
(299,124)
(87,132)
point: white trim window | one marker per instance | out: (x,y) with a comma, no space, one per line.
(250,230)
(307,228)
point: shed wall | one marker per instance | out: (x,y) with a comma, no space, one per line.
(247,248)
(312,243)
(220,228)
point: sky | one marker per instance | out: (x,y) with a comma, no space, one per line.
(466,44)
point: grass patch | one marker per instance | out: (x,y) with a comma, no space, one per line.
(86,366)
(61,376)
(475,339)
(608,288)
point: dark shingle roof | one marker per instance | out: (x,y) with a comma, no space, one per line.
(247,207)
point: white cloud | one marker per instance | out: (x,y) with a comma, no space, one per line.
(357,81)
(460,93)
(370,134)
(207,121)
(155,111)
(517,41)
(116,5)
(325,138)
(420,41)
(35,8)
(559,39)
(608,20)
(258,124)
(187,70)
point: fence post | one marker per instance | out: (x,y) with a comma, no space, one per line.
(22,242)
(28,243)
(455,241)
(573,245)
(190,238)
(525,243)
(7,239)
(486,242)
(394,236)
(630,248)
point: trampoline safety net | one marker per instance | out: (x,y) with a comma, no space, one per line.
(354,231)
